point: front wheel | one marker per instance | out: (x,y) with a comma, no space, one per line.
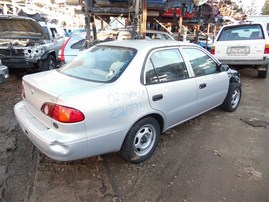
(141,140)
(233,97)
(49,63)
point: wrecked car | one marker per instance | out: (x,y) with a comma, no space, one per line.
(27,44)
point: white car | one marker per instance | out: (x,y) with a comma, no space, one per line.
(243,45)
(120,95)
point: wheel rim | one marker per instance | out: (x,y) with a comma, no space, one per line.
(235,98)
(51,65)
(144,140)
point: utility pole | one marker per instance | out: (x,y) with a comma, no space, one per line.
(90,24)
(144,19)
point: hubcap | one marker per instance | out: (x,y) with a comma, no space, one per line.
(144,140)
(235,98)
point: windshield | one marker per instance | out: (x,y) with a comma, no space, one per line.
(100,63)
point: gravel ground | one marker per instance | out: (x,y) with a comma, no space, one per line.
(217,156)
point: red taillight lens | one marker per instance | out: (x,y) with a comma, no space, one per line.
(266,49)
(62,113)
(61,51)
(213,50)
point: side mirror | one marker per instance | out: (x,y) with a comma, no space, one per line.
(223,67)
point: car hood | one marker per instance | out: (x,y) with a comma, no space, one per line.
(13,27)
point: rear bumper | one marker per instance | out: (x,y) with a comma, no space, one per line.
(264,61)
(56,145)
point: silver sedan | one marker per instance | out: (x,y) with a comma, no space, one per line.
(120,95)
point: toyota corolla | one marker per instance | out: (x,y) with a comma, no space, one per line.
(120,96)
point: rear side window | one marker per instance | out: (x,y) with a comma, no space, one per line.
(241,32)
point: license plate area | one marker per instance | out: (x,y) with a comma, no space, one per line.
(238,50)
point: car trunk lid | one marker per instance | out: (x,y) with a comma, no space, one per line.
(48,86)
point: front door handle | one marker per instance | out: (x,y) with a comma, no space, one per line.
(203,85)
(157,97)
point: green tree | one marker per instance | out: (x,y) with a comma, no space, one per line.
(265,9)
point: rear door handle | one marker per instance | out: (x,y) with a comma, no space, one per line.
(157,97)
(203,85)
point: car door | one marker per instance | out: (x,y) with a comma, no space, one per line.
(170,89)
(212,84)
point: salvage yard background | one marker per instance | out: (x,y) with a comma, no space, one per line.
(218,156)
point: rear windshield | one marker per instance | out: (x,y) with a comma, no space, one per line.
(100,63)
(241,32)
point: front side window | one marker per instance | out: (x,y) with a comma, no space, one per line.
(201,63)
(241,32)
(100,63)
(165,65)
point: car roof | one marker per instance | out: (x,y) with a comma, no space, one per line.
(145,44)
(243,24)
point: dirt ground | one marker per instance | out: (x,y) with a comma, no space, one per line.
(217,156)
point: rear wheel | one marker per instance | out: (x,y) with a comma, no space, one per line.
(141,140)
(233,97)
(2,79)
(263,73)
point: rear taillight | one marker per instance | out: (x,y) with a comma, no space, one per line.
(266,49)
(61,51)
(62,113)
(213,50)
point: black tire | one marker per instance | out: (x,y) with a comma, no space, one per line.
(2,80)
(262,74)
(49,63)
(141,140)
(233,97)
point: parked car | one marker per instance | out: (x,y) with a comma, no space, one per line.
(27,44)
(71,47)
(243,45)
(120,95)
